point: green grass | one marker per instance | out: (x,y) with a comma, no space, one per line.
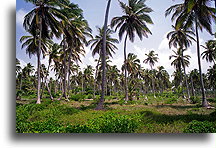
(138,116)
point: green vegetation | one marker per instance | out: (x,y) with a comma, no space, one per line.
(104,98)
(141,116)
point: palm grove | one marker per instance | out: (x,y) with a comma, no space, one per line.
(64,20)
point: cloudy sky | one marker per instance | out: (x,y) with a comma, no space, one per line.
(94,12)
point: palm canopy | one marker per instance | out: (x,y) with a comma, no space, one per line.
(132,64)
(180,37)
(151,58)
(134,20)
(31,45)
(210,51)
(193,11)
(180,60)
(96,43)
(49,13)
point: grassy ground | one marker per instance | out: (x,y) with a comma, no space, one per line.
(150,116)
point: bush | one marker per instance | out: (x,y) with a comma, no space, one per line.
(77,97)
(200,127)
(194,99)
(108,123)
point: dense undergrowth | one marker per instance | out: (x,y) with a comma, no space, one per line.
(164,114)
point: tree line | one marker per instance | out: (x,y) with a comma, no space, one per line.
(65,21)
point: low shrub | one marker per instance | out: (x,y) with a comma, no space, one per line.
(108,123)
(195,100)
(200,127)
(77,97)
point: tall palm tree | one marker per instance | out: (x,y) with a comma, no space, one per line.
(181,38)
(181,61)
(132,65)
(151,59)
(132,22)
(103,59)
(39,21)
(196,13)
(163,77)
(210,51)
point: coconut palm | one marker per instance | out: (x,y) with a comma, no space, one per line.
(18,67)
(39,22)
(151,59)
(196,13)
(103,58)
(163,77)
(132,22)
(180,62)
(132,64)
(96,43)
(181,38)
(210,51)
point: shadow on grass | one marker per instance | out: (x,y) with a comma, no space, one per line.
(177,106)
(162,118)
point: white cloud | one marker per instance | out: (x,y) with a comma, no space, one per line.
(22,63)
(20,14)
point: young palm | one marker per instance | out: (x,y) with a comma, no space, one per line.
(210,51)
(196,13)
(132,22)
(151,59)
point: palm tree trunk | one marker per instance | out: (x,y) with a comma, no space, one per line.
(101,101)
(68,70)
(45,83)
(153,87)
(188,93)
(96,73)
(21,81)
(65,74)
(125,58)
(38,61)
(193,92)
(204,101)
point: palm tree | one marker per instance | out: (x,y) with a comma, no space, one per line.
(210,51)
(103,59)
(132,22)
(196,13)
(163,77)
(97,42)
(181,38)
(151,59)
(18,67)
(181,61)
(38,22)
(132,65)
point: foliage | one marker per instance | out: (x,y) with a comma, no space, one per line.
(108,123)
(200,127)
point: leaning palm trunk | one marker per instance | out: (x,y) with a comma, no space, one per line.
(204,101)
(38,61)
(46,84)
(103,58)
(125,58)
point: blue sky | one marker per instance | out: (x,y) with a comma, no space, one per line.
(94,12)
